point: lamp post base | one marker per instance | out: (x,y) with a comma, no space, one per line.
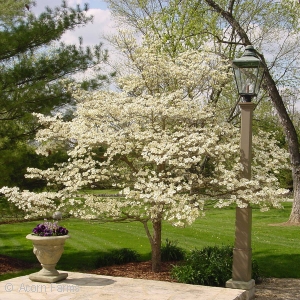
(249,287)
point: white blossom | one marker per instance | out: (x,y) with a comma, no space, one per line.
(163,147)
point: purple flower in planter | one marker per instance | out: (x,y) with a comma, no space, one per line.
(49,229)
(39,229)
(61,231)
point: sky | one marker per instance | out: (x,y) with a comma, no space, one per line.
(91,33)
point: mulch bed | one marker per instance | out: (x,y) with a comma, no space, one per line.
(9,265)
(141,270)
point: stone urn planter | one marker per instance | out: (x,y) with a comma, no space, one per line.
(48,250)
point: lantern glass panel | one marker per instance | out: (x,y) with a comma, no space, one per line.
(248,80)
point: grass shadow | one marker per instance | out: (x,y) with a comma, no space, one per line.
(278,266)
(80,261)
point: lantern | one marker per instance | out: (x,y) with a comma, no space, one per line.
(248,73)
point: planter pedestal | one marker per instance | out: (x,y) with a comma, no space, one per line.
(48,251)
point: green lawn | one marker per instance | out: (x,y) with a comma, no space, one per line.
(275,248)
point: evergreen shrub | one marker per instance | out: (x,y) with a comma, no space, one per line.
(171,252)
(211,266)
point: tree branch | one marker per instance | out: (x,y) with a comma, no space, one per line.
(231,20)
(128,162)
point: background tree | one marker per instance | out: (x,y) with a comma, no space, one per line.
(35,69)
(271,26)
(165,149)
(11,9)
(230,11)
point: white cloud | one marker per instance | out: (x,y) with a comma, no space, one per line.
(75,2)
(92,33)
(41,4)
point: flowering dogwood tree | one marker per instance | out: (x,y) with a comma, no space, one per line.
(164,148)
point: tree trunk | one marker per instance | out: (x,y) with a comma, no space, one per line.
(295,214)
(293,143)
(155,242)
(156,246)
(287,124)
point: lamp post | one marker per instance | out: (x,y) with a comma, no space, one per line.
(248,73)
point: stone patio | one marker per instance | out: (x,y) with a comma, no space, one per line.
(89,287)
